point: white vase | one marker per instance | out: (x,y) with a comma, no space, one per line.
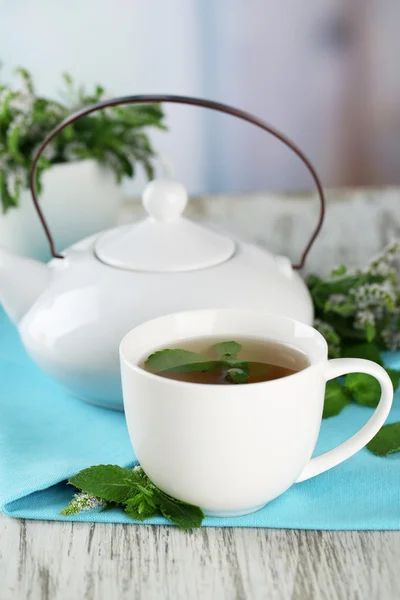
(78,199)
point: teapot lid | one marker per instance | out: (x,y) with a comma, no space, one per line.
(165,241)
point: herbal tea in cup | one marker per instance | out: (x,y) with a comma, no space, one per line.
(224,407)
(226,362)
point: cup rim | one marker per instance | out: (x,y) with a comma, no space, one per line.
(263,314)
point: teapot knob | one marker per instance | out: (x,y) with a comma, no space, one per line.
(165,200)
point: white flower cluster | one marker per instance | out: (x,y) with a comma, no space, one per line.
(21,123)
(22,103)
(383,263)
(337,299)
(84,501)
(391,338)
(5,96)
(14,183)
(374,295)
(364,318)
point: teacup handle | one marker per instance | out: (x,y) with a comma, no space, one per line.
(336,368)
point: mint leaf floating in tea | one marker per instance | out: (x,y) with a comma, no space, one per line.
(386,441)
(237,375)
(227,350)
(336,398)
(110,486)
(237,371)
(226,362)
(178,360)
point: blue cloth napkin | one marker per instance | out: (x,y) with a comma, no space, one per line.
(47,436)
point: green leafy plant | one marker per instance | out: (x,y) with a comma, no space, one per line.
(358,313)
(114,137)
(110,486)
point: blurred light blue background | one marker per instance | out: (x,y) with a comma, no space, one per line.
(323,71)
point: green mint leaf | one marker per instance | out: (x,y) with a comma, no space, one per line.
(345,309)
(386,441)
(227,350)
(363,388)
(185,516)
(336,398)
(237,375)
(339,271)
(208,365)
(368,351)
(109,482)
(166,360)
(395,377)
(109,506)
(369,329)
(140,508)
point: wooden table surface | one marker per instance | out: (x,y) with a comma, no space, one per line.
(73,561)
(66,561)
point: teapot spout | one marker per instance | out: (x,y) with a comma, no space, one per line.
(22,280)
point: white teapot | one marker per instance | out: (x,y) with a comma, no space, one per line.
(73,312)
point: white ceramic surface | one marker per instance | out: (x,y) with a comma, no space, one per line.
(165,241)
(232,449)
(78,198)
(73,313)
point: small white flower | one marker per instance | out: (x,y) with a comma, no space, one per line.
(49,152)
(391,339)
(337,298)
(382,264)
(22,102)
(374,295)
(138,469)
(14,184)
(383,269)
(364,317)
(4,95)
(85,501)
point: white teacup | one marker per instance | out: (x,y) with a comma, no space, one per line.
(231,449)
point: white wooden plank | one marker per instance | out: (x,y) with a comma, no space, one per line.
(60,561)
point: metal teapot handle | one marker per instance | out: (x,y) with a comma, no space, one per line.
(240,114)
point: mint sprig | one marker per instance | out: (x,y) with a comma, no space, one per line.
(110,486)
(358,314)
(227,350)
(336,398)
(108,482)
(386,441)
(365,390)
(179,360)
